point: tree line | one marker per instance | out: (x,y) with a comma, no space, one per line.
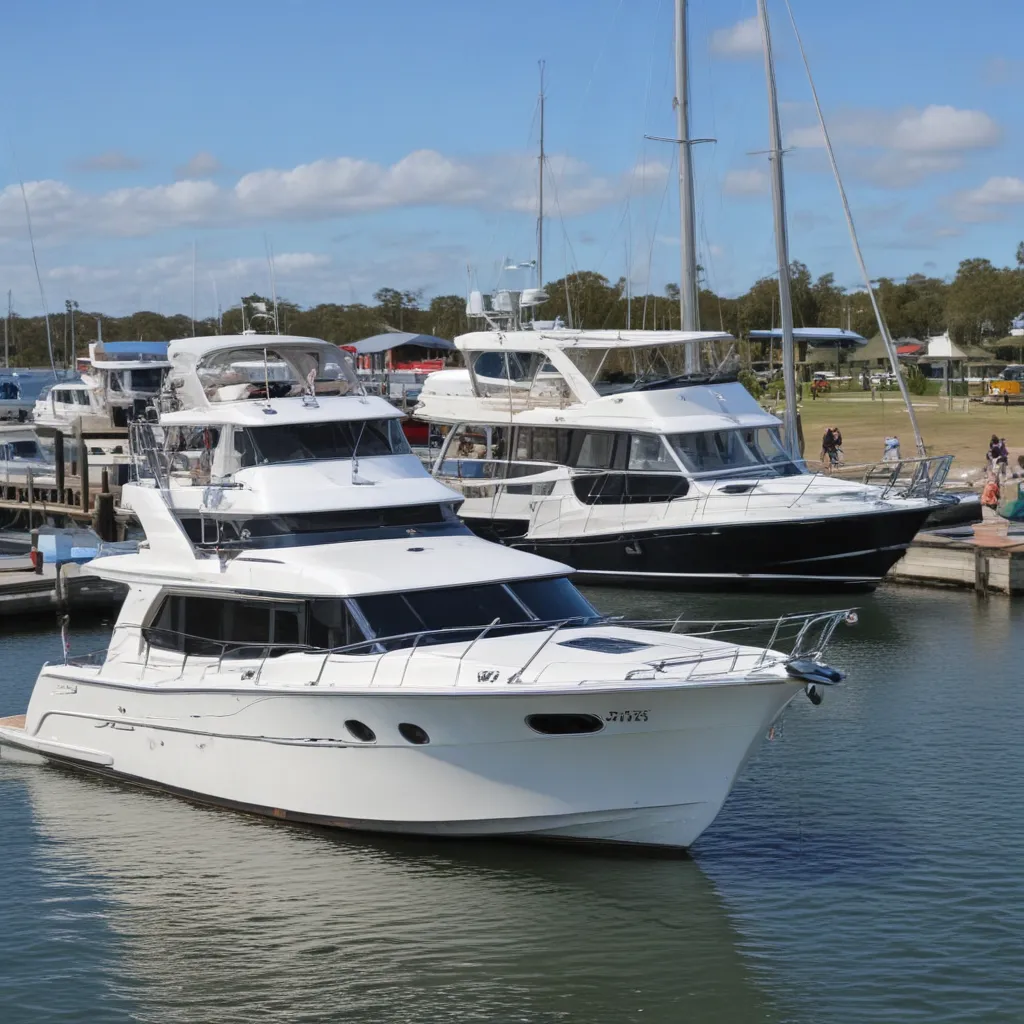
(976,307)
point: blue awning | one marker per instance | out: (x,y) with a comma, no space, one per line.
(816,337)
(398,339)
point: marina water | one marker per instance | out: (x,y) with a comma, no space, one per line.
(867,867)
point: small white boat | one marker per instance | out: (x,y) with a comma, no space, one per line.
(312,634)
(15,406)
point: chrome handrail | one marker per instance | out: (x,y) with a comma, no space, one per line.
(805,633)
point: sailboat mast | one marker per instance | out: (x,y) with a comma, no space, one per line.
(540,187)
(7,328)
(689,317)
(781,239)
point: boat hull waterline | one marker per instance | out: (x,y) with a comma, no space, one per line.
(812,554)
(655,777)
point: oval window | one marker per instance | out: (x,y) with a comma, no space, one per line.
(564,725)
(413,733)
(360,731)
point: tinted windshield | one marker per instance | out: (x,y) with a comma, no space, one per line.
(308,442)
(514,604)
(756,452)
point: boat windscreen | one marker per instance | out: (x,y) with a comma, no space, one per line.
(517,604)
(309,442)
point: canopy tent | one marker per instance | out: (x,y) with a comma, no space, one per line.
(399,339)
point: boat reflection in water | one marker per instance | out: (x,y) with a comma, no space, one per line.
(228,918)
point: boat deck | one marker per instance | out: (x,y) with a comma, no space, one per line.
(13,722)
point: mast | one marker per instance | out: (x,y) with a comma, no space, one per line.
(540,186)
(781,240)
(689,318)
(7,327)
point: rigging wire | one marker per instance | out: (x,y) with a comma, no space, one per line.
(883,327)
(35,264)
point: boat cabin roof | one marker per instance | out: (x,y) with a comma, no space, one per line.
(129,355)
(539,341)
(347,569)
(281,412)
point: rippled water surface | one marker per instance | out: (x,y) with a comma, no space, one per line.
(866,868)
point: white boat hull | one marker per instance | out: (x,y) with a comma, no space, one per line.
(658,782)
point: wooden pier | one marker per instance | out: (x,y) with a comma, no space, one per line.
(991,561)
(26,591)
(64,496)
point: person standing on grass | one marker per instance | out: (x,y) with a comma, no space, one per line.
(831,445)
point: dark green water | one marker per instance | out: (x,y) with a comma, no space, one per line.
(866,868)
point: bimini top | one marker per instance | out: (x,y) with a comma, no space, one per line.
(538,341)
(261,370)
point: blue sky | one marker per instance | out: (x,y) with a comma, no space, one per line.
(394,143)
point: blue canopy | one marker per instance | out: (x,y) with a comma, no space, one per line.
(127,349)
(398,339)
(816,337)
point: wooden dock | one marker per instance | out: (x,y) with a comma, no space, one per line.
(992,561)
(23,591)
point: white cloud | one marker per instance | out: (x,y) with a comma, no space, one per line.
(321,189)
(944,129)
(987,201)
(898,148)
(740,40)
(202,165)
(751,182)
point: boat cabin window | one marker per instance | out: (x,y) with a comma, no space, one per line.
(146,379)
(648,453)
(309,442)
(595,451)
(19,450)
(516,604)
(766,444)
(211,626)
(714,451)
(71,396)
(9,391)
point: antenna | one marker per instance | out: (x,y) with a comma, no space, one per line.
(540,186)
(193,288)
(216,306)
(243,314)
(7,326)
(273,286)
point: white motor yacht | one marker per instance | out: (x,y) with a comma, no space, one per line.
(596,449)
(311,633)
(119,381)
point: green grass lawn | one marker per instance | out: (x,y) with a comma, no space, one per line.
(864,424)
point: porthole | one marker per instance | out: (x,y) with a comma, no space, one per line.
(413,733)
(564,725)
(360,731)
